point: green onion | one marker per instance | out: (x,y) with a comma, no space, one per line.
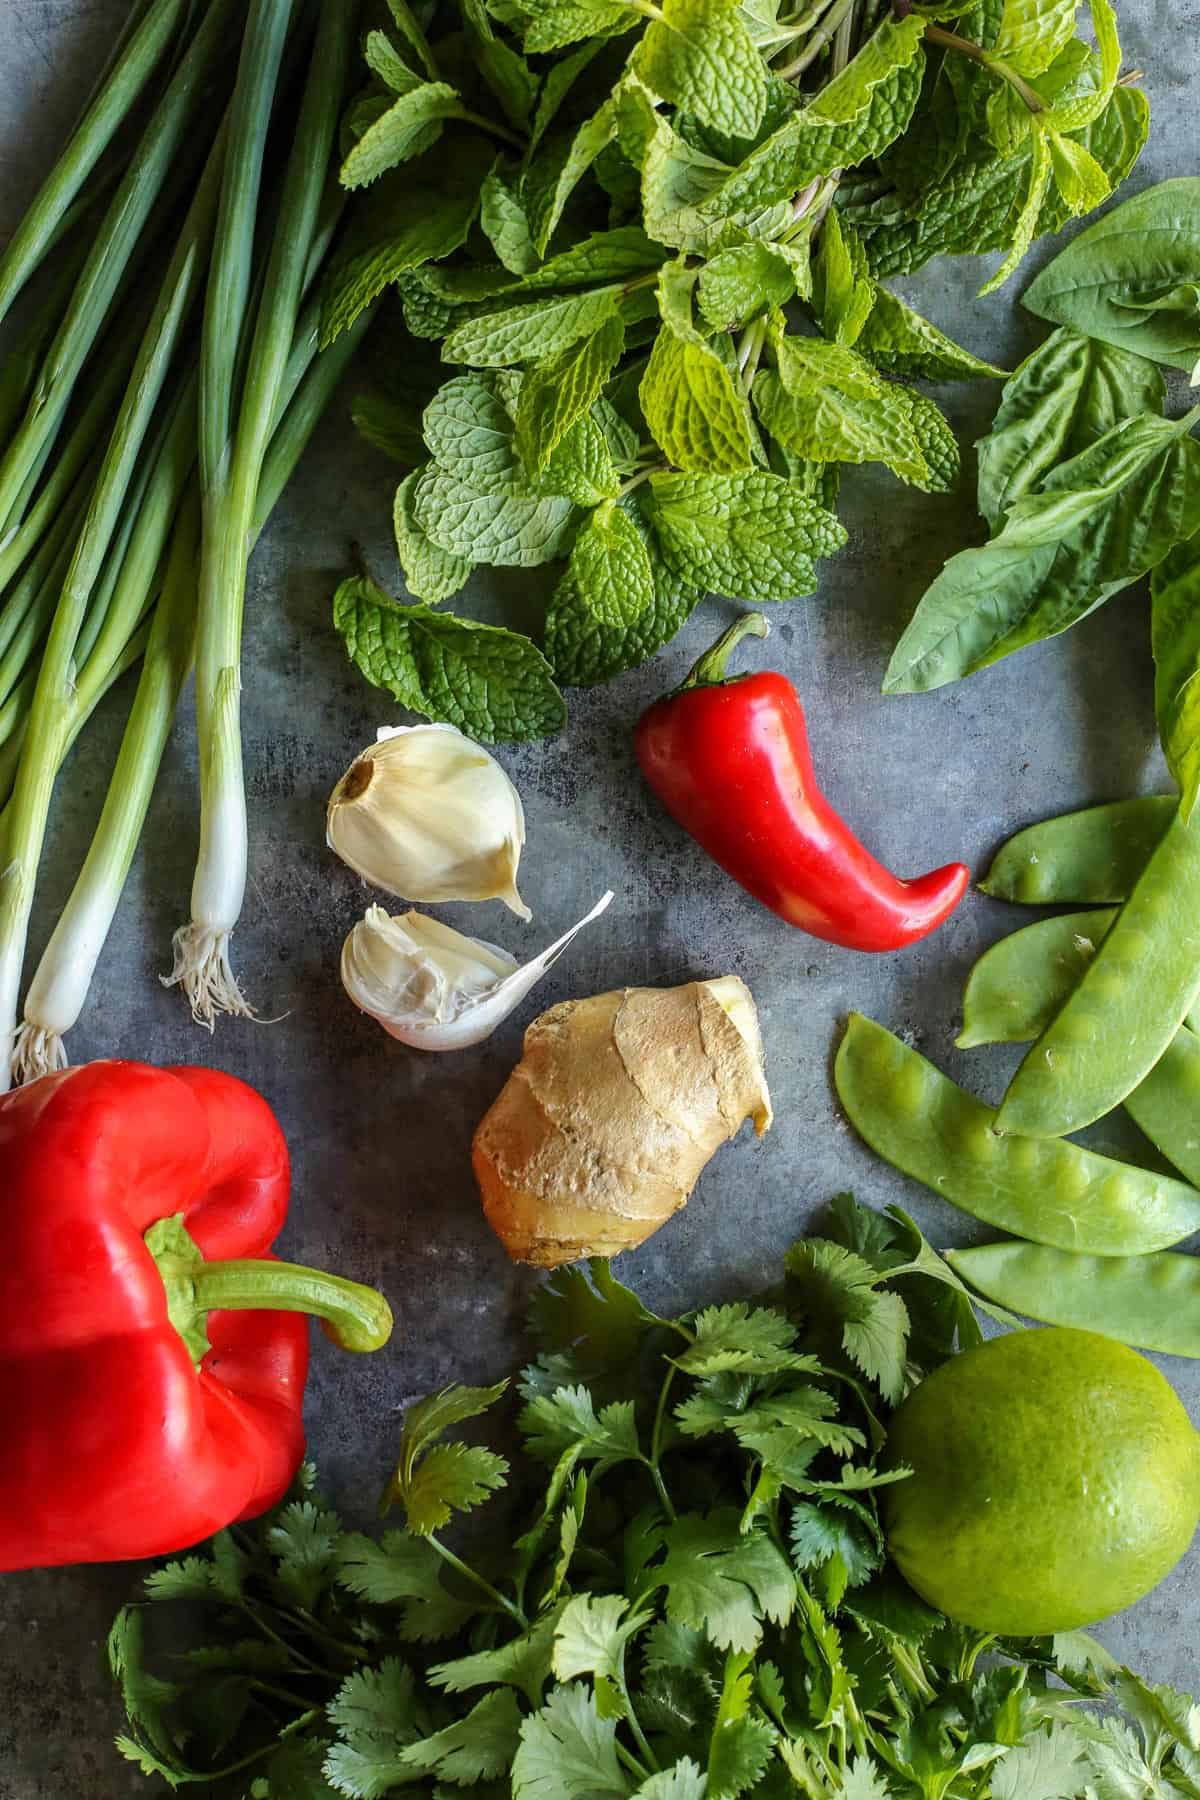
(64,975)
(231,453)
(130,74)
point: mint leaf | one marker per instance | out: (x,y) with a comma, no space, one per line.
(506,73)
(830,411)
(385,61)
(610,567)
(568,1752)
(557,392)
(899,339)
(693,406)
(401,132)
(559,166)
(1033,32)
(846,293)
(414,216)
(552,24)
(701,57)
(581,466)
(721,1581)
(430,573)
(741,284)
(1025,227)
(583,652)
(506,225)
(508,524)
(389,426)
(859,113)
(939,446)
(753,535)
(534,329)
(489,682)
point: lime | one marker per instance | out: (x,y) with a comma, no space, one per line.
(1056,1479)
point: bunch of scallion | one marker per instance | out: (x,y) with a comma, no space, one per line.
(166,383)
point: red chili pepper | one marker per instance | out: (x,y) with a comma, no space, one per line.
(134,1419)
(729,759)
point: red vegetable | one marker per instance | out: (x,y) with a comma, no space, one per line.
(134,1420)
(729,759)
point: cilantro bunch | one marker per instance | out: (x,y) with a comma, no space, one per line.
(638,250)
(681,1593)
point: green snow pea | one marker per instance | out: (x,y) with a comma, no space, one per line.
(1018,985)
(1083,858)
(1056,1193)
(1128,1005)
(1152,1302)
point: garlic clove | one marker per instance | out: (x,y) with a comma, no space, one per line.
(435,988)
(426,814)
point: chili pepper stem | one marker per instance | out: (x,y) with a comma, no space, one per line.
(709,671)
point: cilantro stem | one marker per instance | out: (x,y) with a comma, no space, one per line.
(656,1434)
(276,1637)
(301,1617)
(950,40)
(809,55)
(633,1720)
(631,1762)
(280,1693)
(485,1587)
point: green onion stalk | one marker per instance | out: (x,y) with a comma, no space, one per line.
(132,70)
(56,698)
(169,136)
(64,975)
(233,439)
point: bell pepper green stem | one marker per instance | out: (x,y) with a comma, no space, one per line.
(710,670)
(355,1317)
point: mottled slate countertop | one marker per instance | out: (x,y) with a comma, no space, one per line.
(383,1187)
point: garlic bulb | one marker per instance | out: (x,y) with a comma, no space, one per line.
(425,814)
(433,987)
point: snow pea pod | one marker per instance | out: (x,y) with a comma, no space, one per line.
(1018,985)
(1083,858)
(1056,1193)
(1152,1302)
(1129,1004)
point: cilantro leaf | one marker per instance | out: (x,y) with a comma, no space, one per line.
(489,682)
(721,1581)
(404,1572)
(434,1479)
(1049,1765)
(305,1539)
(523,1663)
(749,1339)
(684,1780)
(480,1746)
(818,1533)
(591,1636)
(568,1752)
(554,1423)
(377,1715)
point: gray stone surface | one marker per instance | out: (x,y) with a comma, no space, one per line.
(383,1188)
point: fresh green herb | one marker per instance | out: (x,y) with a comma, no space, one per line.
(687,1600)
(608,230)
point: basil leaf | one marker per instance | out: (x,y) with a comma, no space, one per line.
(491,683)
(1105,518)
(1139,252)
(1175,634)
(1062,398)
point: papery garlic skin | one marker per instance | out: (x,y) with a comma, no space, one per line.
(434,988)
(426,814)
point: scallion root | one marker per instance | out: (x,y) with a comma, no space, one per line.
(202,969)
(37,1052)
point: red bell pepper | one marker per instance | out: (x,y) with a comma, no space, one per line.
(729,759)
(152,1354)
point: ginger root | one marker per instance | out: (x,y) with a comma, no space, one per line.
(603,1127)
